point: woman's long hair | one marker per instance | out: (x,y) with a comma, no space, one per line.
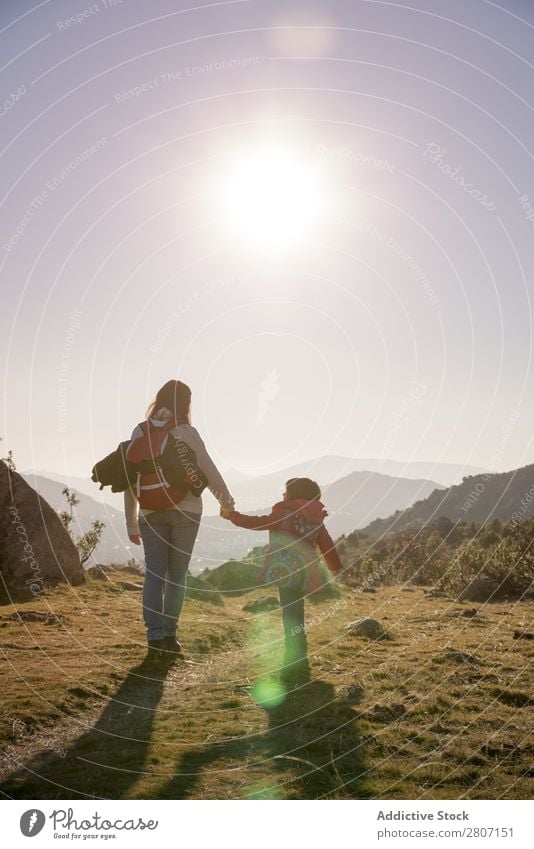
(176,396)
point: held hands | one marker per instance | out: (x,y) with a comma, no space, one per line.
(225,511)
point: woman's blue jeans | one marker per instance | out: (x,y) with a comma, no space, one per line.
(168,539)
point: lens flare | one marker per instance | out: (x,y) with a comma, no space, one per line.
(269,693)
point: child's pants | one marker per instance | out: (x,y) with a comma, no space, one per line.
(292,604)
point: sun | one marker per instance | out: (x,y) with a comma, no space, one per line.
(270,198)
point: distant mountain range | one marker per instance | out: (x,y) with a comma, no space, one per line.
(251,492)
(83,486)
(354,498)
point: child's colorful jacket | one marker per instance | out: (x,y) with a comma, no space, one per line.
(296,535)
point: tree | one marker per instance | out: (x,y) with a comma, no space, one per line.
(444,526)
(496,526)
(86,543)
(67,517)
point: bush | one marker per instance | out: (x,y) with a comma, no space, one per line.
(445,556)
(233,577)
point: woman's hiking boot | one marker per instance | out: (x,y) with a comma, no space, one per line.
(156,650)
(172,647)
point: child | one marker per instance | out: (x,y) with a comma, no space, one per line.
(296,531)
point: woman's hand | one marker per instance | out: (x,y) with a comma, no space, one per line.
(225,512)
(135,538)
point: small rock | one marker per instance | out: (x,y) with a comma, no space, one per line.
(523,635)
(261,605)
(127,585)
(462,657)
(113,568)
(37,616)
(96,573)
(472,611)
(371,629)
(369,590)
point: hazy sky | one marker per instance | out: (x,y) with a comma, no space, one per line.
(398,325)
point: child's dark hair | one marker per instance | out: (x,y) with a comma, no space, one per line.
(303,488)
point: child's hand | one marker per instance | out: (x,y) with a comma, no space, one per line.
(225,512)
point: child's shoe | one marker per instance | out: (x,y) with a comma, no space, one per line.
(296,674)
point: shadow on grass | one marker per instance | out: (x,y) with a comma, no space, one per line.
(309,750)
(107,760)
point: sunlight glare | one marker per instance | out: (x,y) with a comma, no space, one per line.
(271,199)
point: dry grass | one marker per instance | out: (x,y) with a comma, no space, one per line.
(442,710)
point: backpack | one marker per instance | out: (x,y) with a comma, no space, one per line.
(290,557)
(165,468)
(114,470)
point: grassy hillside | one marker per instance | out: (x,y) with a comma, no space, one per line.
(440,709)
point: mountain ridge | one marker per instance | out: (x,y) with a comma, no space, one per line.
(479,498)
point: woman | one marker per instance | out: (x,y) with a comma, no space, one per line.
(169,535)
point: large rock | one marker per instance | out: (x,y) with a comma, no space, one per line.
(36,552)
